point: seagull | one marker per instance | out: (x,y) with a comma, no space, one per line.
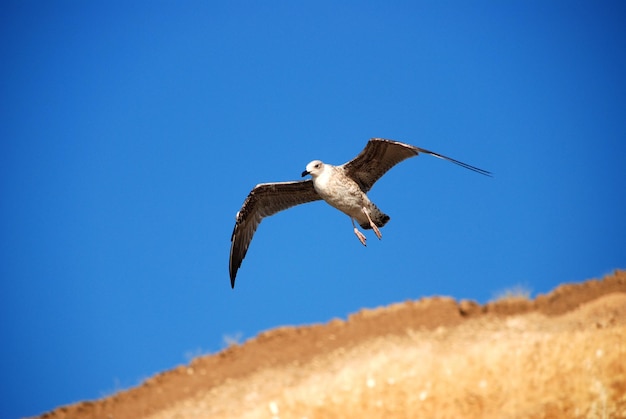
(344,187)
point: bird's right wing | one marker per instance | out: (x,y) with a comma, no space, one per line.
(264,200)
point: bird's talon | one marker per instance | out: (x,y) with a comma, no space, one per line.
(360,236)
(377,231)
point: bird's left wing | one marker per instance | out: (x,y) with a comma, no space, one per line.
(380,155)
(376,159)
(264,200)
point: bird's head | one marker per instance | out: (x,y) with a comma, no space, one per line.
(314,168)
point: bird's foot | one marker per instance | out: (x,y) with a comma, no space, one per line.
(360,236)
(377,231)
(372,224)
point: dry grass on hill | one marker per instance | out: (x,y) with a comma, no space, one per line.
(562,355)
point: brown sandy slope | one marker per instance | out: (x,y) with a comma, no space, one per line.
(561,355)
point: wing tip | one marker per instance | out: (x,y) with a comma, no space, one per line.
(457,162)
(233,275)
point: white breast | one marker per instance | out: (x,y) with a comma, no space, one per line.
(340,191)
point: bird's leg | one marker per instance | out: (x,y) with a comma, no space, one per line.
(359,235)
(374,226)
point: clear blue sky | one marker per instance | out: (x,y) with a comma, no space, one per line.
(131,133)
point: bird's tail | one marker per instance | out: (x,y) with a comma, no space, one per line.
(378,217)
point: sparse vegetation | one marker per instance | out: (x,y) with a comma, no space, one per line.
(518,291)
(233,339)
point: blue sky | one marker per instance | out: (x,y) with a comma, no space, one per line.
(132,133)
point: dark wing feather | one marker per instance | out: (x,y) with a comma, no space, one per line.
(380,155)
(264,200)
(459,163)
(376,159)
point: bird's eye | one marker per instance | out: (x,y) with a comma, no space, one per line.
(317,166)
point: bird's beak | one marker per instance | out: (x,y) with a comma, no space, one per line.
(306,172)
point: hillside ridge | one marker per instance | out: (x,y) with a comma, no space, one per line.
(295,346)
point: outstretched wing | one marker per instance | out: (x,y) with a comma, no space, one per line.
(380,155)
(376,159)
(264,200)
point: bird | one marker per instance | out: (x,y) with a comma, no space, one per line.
(343,187)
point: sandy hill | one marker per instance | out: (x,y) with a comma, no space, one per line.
(560,355)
